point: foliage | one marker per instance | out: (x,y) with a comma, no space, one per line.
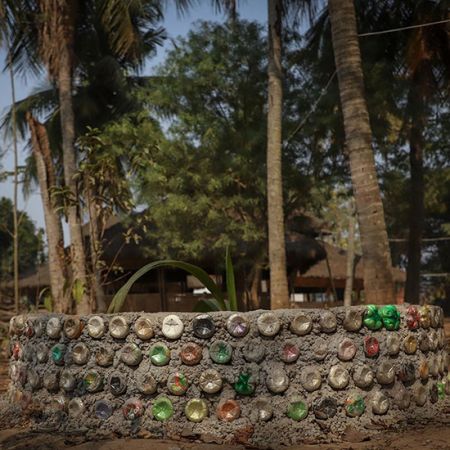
(205,185)
(30,238)
(217,303)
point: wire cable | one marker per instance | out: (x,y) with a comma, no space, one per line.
(410,27)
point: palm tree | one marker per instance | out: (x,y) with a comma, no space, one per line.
(427,67)
(4,35)
(378,281)
(49,32)
(279,292)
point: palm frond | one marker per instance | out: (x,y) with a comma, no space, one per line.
(41,103)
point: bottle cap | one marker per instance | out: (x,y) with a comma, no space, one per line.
(320,349)
(325,408)
(301,324)
(104,357)
(172,327)
(390,317)
(328,322)
(297,409)
(385,373)
(420,395)
(338,377)
(424,370)
(131,354)
(34,380)
(433,340)
(102,409)
(92,381)
(245,384)
(392,344)
(118,327)
(143,328)
(132,409)
(264,408)
(354,405)
(210,381)
(400,396)
(220,352)
(177,383)
(162,409)
(159,354)
(54,327)
(410,345)
(80,353)
(425,316)
(117,384)
(290,352)
(406,372)
(146,383)
(96,327)
(372,319)
(380,403)
(16,351)
(353,320)
(412,318)
(237,325)
(371,346)
(228,410)
(75,407)
(73,327)
(67,381)
(58,353)
(196,410)
(191,354)
(268,324)
(277,380)
(311,379)
(346,350)
(203,326)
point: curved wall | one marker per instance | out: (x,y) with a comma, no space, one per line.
(265,377)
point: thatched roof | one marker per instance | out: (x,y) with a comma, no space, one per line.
(337,258)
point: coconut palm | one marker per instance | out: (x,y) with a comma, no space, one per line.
(378,281)
(426,66)
(49,33)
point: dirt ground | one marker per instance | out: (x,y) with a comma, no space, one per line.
(427,437)
(432,436)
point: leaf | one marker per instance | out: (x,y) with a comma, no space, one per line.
(78,290)
(48,303)
(207,305)
(119,299)
(231,285)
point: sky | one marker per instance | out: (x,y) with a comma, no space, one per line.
(175,25)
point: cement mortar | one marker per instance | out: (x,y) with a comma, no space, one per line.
(248,428)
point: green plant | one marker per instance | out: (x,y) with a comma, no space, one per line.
(217,303)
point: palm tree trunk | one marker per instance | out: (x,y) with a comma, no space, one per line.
(350,263)
(378,282)
(279,293)
(78,259)
(15,182)
(416,214)
(55,240)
